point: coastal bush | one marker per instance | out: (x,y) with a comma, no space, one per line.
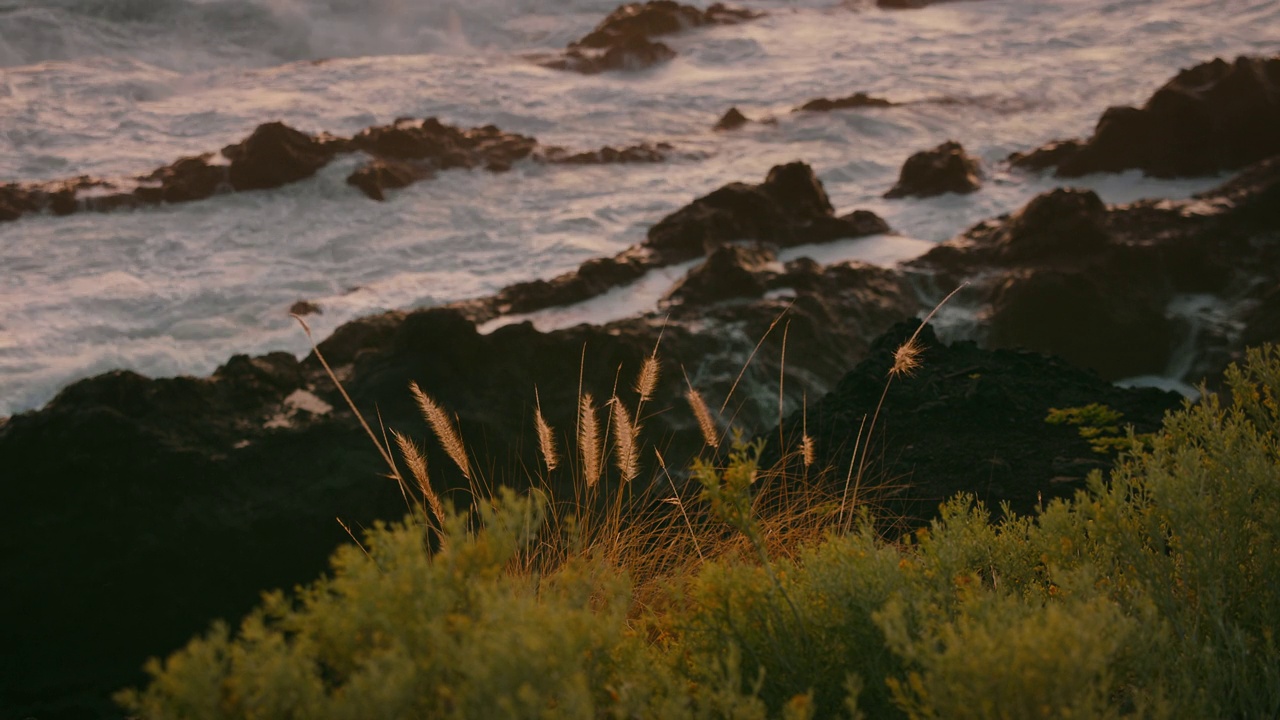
(1154,593)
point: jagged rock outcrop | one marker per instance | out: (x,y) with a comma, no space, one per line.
(1215,116)
(624,39)
(1099,285)
(856,100)
(968,420)
(789,208)
(275,155)
(402,153)
(946,168)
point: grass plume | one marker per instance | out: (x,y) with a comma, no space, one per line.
(625,435)
(444,430)
(589,439)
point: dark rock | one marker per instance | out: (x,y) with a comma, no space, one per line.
(857,100)
(789,208)
(658,17)
(189,178)
(730,271)
(1070,276)
(1048,156)
(305,307)
(642,153)
(1262,322)
(1090,317)
(1215,116)
(623,40)
(968,420)
(410,149)
(275,155)
(15,201)
(1059,222)
(946,168)
(378,175)
(731,120)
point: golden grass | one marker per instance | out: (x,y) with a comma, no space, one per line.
(589,440)
(625,436)
(546,439)
(702,413)
(444,430)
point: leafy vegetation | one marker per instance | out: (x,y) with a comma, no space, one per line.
(1153,594)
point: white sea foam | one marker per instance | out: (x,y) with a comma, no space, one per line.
(119,87)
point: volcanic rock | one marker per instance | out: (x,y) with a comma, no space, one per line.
(857,100)
(731,120)
(1215,116)
(275,155)
(967,420)
(642,153)
(186,179)
(789,208)
(1097,285)
(380,174)
(623,40)
(946,168)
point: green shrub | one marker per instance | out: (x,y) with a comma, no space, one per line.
(1156,593)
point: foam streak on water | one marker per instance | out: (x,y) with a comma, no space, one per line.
(119,87)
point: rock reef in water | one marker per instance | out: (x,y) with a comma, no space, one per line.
(274,155)
(944,169)
(624,39)
(1213,117)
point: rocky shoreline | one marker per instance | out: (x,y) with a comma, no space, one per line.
(138,509)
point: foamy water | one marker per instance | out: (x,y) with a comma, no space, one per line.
(119,87)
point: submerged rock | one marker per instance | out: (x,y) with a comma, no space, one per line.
(1215,116)
(857,100)
(946,168)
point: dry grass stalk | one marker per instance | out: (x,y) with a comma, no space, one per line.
(906,359)
(647,380)
(444,430)
(417,463)
(546,440)
(624,441)
(807,451)
(589,439)
(702,413)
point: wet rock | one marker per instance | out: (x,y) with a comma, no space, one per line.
(187,179)
(1089,317)
(946,168)
(1215,116)
(275,155)
(642,153)
(731,120)
(730,271)
(379,175)
(305,307)
(15,201)
(623,40)
(968,420)
(789,208)
(1095,284)
(857,100)
(629,54)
